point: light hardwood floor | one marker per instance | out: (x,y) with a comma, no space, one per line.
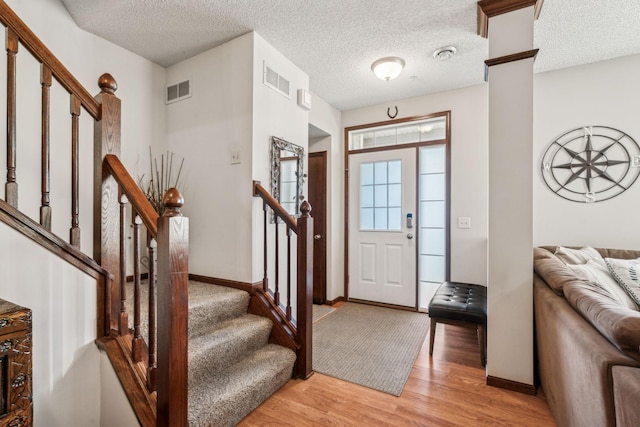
(446,390)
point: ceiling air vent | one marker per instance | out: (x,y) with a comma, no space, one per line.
(276,81)
(178,91)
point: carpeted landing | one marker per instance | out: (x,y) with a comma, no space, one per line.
(232,367)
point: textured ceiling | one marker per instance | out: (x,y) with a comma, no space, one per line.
(335,41)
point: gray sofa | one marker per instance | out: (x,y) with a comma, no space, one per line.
(587,345)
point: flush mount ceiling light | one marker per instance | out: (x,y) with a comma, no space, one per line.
(388,68)
(444,53)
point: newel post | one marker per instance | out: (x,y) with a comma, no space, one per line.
(305,290)
(173,277)
(106,250)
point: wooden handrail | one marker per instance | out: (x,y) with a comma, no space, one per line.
(303,228)
(133,192)
(259,190)
(34,45)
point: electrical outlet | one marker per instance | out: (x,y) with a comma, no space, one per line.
(464,222)
(635,161)
(235,157)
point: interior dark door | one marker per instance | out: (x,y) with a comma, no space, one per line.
(318,200)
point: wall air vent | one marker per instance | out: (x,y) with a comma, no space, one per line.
(178,92)
(276,81)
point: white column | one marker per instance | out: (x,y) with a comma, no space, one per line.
(510,254)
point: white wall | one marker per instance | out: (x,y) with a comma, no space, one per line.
(605,94)
(325,117)
(469,141)
(273,115)
(204,129)
(67,385)
(66,366)
(230,109)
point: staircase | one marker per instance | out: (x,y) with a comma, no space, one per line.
(232,367)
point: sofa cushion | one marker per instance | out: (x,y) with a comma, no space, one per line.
(620,325)
(601,276)
(619,253)
(627,274)
(578,256)
(553,271)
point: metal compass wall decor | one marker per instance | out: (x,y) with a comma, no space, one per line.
(591,164)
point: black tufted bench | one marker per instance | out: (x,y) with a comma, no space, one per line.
(461,304)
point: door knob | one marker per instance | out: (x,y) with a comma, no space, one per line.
(317,237)
(409,236)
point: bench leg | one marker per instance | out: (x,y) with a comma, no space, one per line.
(482,340)
(432,335)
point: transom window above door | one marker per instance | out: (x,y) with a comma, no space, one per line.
(431,129)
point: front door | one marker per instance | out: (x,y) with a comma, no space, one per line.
(382,227)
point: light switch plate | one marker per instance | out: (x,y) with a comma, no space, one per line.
(235,157)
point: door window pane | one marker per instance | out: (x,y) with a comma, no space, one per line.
(395,172)
(366,218)
(432,186)
(381,196)
(366,174)
(381,218)
(366,194)
(395,195)
(395,219)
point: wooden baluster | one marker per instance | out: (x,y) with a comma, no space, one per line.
(265,277)
(105,196)
(288,308)
(75,173)
(153,366)
(11,186)
(45,208)
(137,336)
(305,290)
(173,254)
(276,294)
(123,319)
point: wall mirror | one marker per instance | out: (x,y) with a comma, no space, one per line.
(286,174)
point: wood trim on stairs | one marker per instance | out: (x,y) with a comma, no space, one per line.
(251,288)
(33,230)
(281,333)
(144,404)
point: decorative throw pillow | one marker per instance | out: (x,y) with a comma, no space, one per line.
(627,274)
(579,256)
(600,275)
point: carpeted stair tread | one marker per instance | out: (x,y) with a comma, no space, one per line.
(224,398)
(209,304)
(224,343)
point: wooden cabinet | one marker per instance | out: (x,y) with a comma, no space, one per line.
(16,406)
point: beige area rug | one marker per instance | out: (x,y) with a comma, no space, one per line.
(320,311)
(372,346)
